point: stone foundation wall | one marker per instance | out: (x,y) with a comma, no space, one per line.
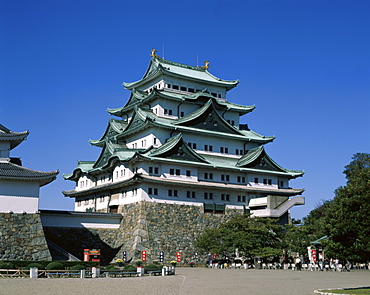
(146,226)
(22,237)
(170,228)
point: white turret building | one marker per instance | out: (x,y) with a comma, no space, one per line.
(19,186)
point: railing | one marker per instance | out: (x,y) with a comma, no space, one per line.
(62,251)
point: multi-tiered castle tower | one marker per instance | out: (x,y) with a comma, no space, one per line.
(179,141)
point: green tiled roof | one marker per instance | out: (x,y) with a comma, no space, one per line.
(139,98)
(159,66)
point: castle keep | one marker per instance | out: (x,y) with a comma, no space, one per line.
(175,159)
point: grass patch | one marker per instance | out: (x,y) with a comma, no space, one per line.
(357,291)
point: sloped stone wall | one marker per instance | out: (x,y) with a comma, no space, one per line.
(164,227)
(22,237)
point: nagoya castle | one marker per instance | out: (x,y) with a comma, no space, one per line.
(175,160)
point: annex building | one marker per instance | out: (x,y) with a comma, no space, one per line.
(179,141)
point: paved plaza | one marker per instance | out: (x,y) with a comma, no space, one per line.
(194,281)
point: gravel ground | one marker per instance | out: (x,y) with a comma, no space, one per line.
(194,281)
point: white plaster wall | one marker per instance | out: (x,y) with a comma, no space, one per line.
(19,204)
(19,188)
(4,149)
(79,221)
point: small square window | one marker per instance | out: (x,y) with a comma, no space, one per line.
(269,181)
(172,171)
(170,112)
(156,191)
(182,88)
(182,114)
(178,172)
(188,173)
(150,191)
(264,181)
(255,180)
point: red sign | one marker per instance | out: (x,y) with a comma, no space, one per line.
(178,256)
(214,256)
(314,258)
(143,255)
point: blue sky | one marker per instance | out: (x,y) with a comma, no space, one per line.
(304,64)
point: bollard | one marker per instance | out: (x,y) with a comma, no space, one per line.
(34,273)
(83,274)
(140,270)
(95,272)
(164,271)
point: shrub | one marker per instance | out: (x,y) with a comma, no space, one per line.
(6,265)
(33,265)
(151,267)
(129,268)
(110,266)
(138,263)
(54,266)
(77,267)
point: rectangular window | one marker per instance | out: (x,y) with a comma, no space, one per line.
(206,147)
(191,90)
(194,146)
(193,195)
(165,111)
(175,87)
(188,173)
(222,197)
(210,196)
(182,114)
(182,88)
(227,177)
(172,171)
(243,199)
(226,150)
(156,170)
(214,94)
(178,172)
(188,194)
(170,112)
(206,196)
(155,140)
(222,150)
(222,177)
(269,181)
(227,197)
(155,191)
(256,180)
(239,198)
(237,152)
(210,175)
(238,179)
(264,181)
(134,192)
(281,183)
(150,191)
(243,179)
(175,193)
(232,122)
(170,192)
(205,175)
(150,170)
(210,148)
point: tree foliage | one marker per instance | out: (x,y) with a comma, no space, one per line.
(252,236)
(348,216)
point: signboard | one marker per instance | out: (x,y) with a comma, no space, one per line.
(143,255)
(314,257)
(178,256)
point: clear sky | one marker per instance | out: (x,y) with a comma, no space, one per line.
(304,64)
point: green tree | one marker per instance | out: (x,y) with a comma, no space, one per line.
(252,236)
(348,218)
